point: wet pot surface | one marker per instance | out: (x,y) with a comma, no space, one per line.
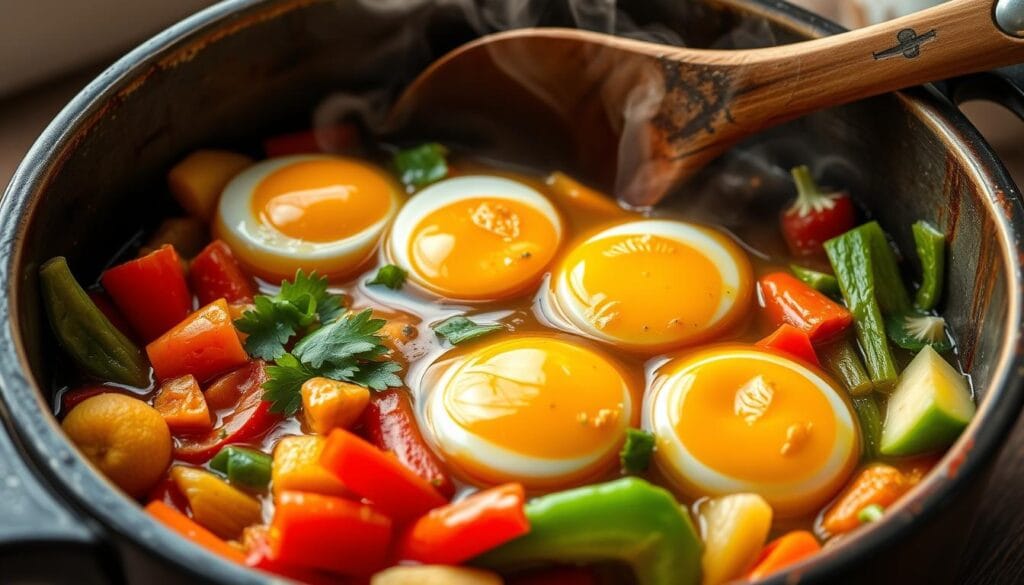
(246,69)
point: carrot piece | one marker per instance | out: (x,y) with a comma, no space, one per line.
(787,299)
(216,274)
(791,341)
(187,528)
(204,344)
(182,404)
(151,292)
(783,552)
(876,484)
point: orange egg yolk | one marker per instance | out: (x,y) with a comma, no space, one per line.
(323,200)
(755,420)
(645,288)
(482,247)
(540,397)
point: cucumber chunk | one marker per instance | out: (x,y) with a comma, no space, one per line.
(929,407)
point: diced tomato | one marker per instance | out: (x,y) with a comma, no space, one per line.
(204,345)
(390,424)
(187,528)
(333,534)
(246,419)
(787,299)
(782,552)
(215,274)
(150,292)
(182,404)
(331,139)
(458,532)
(793,342)
(379,477)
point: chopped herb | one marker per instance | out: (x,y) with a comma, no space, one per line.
(636,452)
(870,513)
(913,331)
(460,329)
(420,166)
(390,276)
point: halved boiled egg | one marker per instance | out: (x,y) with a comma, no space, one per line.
(736,419)
(653,284)
(476,237)
(315,212)
(541,410)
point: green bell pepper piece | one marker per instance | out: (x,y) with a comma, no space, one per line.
(85,332)
(246,468)
(870,418)
(930,245)
(841,360)
(819,281)
(627,520)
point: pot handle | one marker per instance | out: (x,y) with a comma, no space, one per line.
(41,539)
(1001,86)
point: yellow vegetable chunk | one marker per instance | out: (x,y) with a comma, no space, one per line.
(188,235)
(735,528)
(124,437)
(197,181)
(297,467)
(329,404)
(217,506)
(435,575)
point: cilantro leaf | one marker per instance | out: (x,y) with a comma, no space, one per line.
(349,336)
(459,329)
(378,376)
(636,452)
(283,388)
(422,165)
(390,276)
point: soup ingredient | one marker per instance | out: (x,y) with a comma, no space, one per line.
(215,274)
(420,166)
(876,485)
(435,575)
(788,300)
(782,552)
(477,237)
(204,344)
(379,477)
(841,360)
(256,542)
(276,319)
(150,292)
(870,418)
(459,329)
(187,235)
(197,181)
(389,422)
(653,285)
(819,281)
(930,245)
(315,212)
(871,513)
(791,342)
(330,404)
(575,195)
(737,419)
(336,138)
(217,506)
(735,528)
(636,453)
(245,468)
(182,404)
(914,331)
(486,406)
(124,437)
(390,276)
(296,467)
(85,333)
(930,406)
(815,216)
(333,534)
(455,533)
(192,531)
(627,520)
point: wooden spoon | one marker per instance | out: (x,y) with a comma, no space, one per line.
(650,115)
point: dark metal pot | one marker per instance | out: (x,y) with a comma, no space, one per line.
(245,68)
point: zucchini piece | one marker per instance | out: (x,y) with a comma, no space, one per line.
(929,408)
(930,245)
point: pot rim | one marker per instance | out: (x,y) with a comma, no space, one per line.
(89,492)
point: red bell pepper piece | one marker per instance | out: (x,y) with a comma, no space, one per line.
(333,534)
(787,299)
(782,552)
(150,292)
(187,528)
(815,216)
(458,532)
(245,419)
(390,423)
(204,345)
(332,139)
(76,396)
(257,547)
(215,274)
(104,304)
(793,342)
(379,477)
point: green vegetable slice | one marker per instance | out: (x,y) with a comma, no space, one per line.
(390,276)
(930,245)
(420,166)
(913,331)
(823,283)
(460,329)
(842,361)
(637,451)
(246,468)
(870,418)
